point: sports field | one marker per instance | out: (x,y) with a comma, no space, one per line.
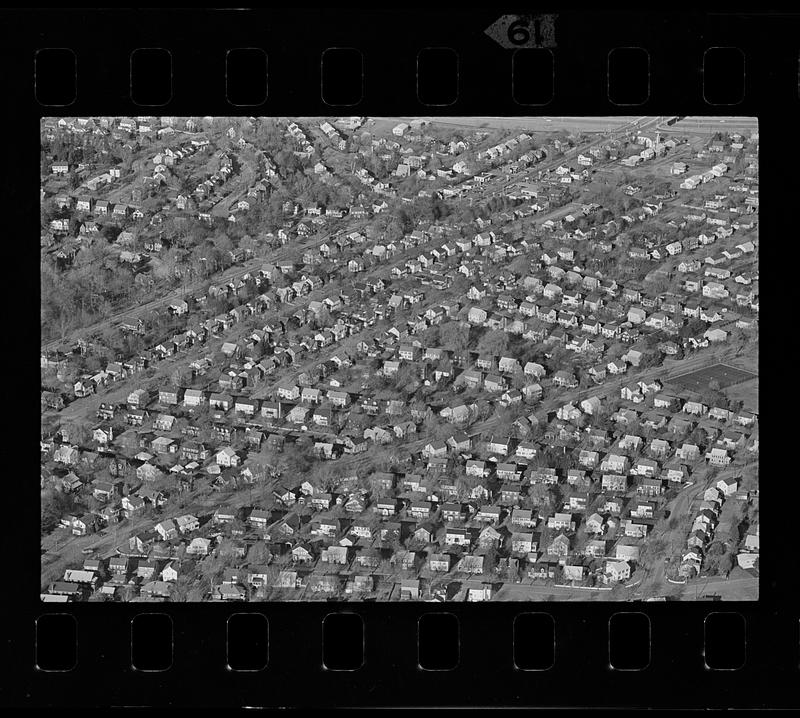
(724,374)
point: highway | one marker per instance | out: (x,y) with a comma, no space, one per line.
(702,125)
(530,124)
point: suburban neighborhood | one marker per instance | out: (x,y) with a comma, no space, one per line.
(399,359)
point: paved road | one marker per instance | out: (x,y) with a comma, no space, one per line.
(734,589)
(682,504)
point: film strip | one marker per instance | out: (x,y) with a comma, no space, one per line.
(535,652)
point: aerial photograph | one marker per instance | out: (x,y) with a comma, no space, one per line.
(399,359)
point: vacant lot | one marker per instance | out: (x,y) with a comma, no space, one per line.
(726,376)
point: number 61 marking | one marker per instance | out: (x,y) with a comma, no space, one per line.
(517,31)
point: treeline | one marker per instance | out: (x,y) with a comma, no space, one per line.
(88,148)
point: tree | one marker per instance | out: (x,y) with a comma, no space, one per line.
(539,493)
(248,244)
(726,563)
(431,336)
(79,433)
(454,336)
(493,343)
(489,560)
(714,554)
(714,397)
(653,551)
(55,504)
(182,376)
(406,379)
(110,232)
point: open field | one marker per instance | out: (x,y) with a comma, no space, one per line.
(747,392)
(726,376)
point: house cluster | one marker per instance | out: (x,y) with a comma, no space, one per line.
(306,150)
(118,128)
(715,521)
(549,459)
(587,313)
(144,564)
(334,137)
(652,148)
(85,213)
(462,500)
(505,148)
(738,148)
